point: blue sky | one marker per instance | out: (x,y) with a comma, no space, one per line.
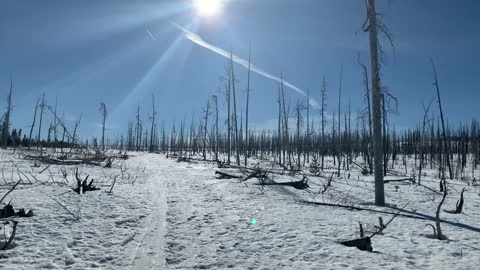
(86,52)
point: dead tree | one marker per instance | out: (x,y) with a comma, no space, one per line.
(138,130)
(205,131)
(246,112)
(367,97)
(217,138)
(152,129)
(422,143)
(459,208)
(6,123)
(33,123)
(103,111)
(55,124)
(307,136)
(42,107)
(237,144)
(438,234)
(322,115)
(286,139)
(372,28)
(229,124)
(444,134)
(339,139)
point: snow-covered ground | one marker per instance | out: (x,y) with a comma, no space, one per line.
(170,215)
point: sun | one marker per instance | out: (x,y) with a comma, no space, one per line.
(208,8)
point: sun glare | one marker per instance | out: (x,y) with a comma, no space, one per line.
(208,8)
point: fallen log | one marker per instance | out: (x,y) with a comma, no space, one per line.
(300,185)
(400,180)
(223,175)
(256,174)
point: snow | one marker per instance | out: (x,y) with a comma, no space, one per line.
(178,216)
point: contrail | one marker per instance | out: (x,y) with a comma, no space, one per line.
(199,41)
(150,33)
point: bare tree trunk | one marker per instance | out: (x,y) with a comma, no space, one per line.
(42,105)
(139,132)
(216,127)
(444,135)
(33,123)
(307,137)
(229,132)
(205,131)
(377,125)
(339,139)
(55,138)
(237,146)
(299,149)
(6,125)
(422,143)
(246,112)
(286,136)
(103,110)
(279,126)
(153,125)
(324,108)
(367,94)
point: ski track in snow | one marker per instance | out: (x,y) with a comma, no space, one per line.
(178,216)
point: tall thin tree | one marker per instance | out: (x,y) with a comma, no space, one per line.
(376,99)
(103,111)
(6,123)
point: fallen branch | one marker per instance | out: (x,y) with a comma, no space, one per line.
(301,185)
(8,192)
(12,235)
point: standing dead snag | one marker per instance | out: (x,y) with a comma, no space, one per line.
(103,111)
(152,129)
(6,123)
(438,234)
(444,134)
(42,108)
(372,28)
(246,113)
(460,203)
(459,206)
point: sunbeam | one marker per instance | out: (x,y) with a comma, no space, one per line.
(142,85)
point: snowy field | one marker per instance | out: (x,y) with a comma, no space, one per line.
(168,215)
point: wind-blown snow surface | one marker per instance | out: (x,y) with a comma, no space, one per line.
(178,216)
